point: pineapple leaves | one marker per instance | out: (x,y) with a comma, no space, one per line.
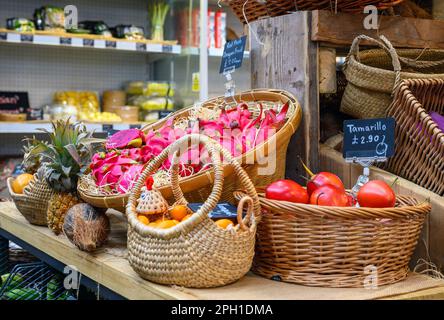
(74,153)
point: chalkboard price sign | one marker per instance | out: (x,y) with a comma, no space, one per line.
(233,55)
(369,139)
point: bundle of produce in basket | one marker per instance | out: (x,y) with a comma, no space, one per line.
(250,10)
(62,159)
(374,74)
(418,108)
(336,238)
(85,227)
(254,124)
(195,252)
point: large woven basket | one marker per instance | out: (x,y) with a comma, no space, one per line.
(33,203)
(419,154)
(336,246)
(196,252)
(254,9)
(373,74)
(197,186)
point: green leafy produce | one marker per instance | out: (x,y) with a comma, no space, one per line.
(157,12)
(15,282)
(21,294)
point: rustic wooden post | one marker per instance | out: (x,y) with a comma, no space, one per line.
(287,59)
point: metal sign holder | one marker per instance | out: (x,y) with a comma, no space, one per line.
(230,86)
(364,177)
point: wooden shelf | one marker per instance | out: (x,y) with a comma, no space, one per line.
(212,52)
(33,126)
(109,267)
(340,30)
(88,41)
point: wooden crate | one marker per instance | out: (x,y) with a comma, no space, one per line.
(431,244)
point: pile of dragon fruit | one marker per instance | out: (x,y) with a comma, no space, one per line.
(116,169)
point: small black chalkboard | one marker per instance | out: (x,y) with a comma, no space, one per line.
(369,139)
(110,44)
(88,42)
(109,129)
(26,38)
(14,101)
(223,210)
(65,41)
(135,126)
(164,113)
(167,48)
(140,46)
(233,55)
(3,36)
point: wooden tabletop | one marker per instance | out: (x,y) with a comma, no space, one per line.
(109,267)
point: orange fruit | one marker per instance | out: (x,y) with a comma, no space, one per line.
(178,212)
(186,217)
(153,224)
(167,224)
(22,180)
(224,223)
(143,219)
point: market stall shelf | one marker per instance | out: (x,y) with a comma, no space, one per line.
(110,269)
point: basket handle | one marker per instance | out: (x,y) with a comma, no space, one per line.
(383,43)
(245,180)
(214,151)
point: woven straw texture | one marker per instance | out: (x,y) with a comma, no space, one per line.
(196,252)
(336,246)
(373,74)
(253,9)
(197,186)
(33,203)
(419,154)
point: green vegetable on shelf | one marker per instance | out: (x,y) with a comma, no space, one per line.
(21,294)
(20,24)
(15,282)
(157,12)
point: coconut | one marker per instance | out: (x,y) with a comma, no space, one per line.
(86,227)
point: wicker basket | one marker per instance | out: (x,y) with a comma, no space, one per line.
(373,74)
(253,9)
(195,253)
(419,155)
(197,186)
(33,203)
(336,246)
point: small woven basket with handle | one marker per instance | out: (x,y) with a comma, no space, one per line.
(33,203)
(373,75)
(195,253)
(336,246)
(419,154)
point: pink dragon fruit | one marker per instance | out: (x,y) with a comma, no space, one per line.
(125,139)
(129,178)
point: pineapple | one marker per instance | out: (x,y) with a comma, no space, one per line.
(58,206)
(31,159)
(65,156)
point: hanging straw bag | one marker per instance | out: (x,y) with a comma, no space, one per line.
(419,155)
(373,75)
(33,202)
(197,186)
(336,246)
(195,253)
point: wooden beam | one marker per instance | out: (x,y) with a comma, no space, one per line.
(342,28)
(287,59)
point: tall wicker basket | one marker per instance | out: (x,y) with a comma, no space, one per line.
(337,246)
(373,75)
(197,186)
(254,9)
(196,252)
(33,203)
(419,154)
